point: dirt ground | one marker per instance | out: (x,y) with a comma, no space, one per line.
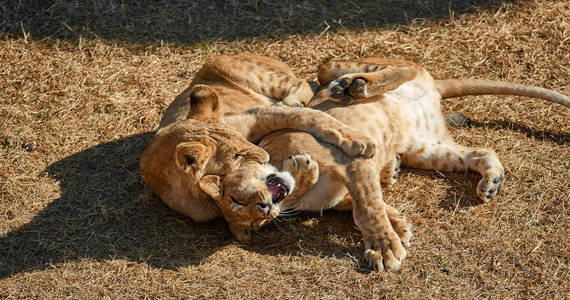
(84,83)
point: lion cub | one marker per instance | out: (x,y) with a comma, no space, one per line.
(397,103)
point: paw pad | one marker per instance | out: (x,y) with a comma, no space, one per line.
(490,188)
(346,89)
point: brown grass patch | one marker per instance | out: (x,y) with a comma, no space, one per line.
(75,113)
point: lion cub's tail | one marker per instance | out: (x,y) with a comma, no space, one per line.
(449,88)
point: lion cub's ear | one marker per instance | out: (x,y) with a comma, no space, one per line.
(191,157)
(205,104)
(212,185)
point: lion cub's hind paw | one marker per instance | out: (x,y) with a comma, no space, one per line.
(346,89)
(358,88)
(490,185)
(391,171)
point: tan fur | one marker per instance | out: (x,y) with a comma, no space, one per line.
(396,103)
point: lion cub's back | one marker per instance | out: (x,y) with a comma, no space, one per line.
(224,68)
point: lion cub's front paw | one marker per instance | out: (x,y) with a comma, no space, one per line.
(400,225)
(491,183)
(384,253)
(383,248)
(346,88)
(303,168)
(358,144)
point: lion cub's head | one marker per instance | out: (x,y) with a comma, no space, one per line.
(203,168)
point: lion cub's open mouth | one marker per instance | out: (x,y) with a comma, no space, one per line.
(278,187)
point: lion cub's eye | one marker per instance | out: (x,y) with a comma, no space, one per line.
(238,155)
(236,202)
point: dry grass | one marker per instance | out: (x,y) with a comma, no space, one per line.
(78,106)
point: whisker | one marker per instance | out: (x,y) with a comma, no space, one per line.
(287,219)
(289,212)
(296,207)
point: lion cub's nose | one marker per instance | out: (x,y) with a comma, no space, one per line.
(265,208)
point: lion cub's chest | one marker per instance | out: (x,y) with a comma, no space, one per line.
(422,102)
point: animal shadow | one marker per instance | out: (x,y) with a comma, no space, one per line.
(105,212)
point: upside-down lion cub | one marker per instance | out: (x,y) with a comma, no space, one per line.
(398,103)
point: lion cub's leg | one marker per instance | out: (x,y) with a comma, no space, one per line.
(397,219)
(333,70)
(353,81)
(383,246)
(390,171)
(353,87)
(258,122)
(448,156)
(291,90)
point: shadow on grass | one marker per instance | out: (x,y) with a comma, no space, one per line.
(462,193)
(558,138)
(206,20)
(330,234)
(105,212)
(541,135)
